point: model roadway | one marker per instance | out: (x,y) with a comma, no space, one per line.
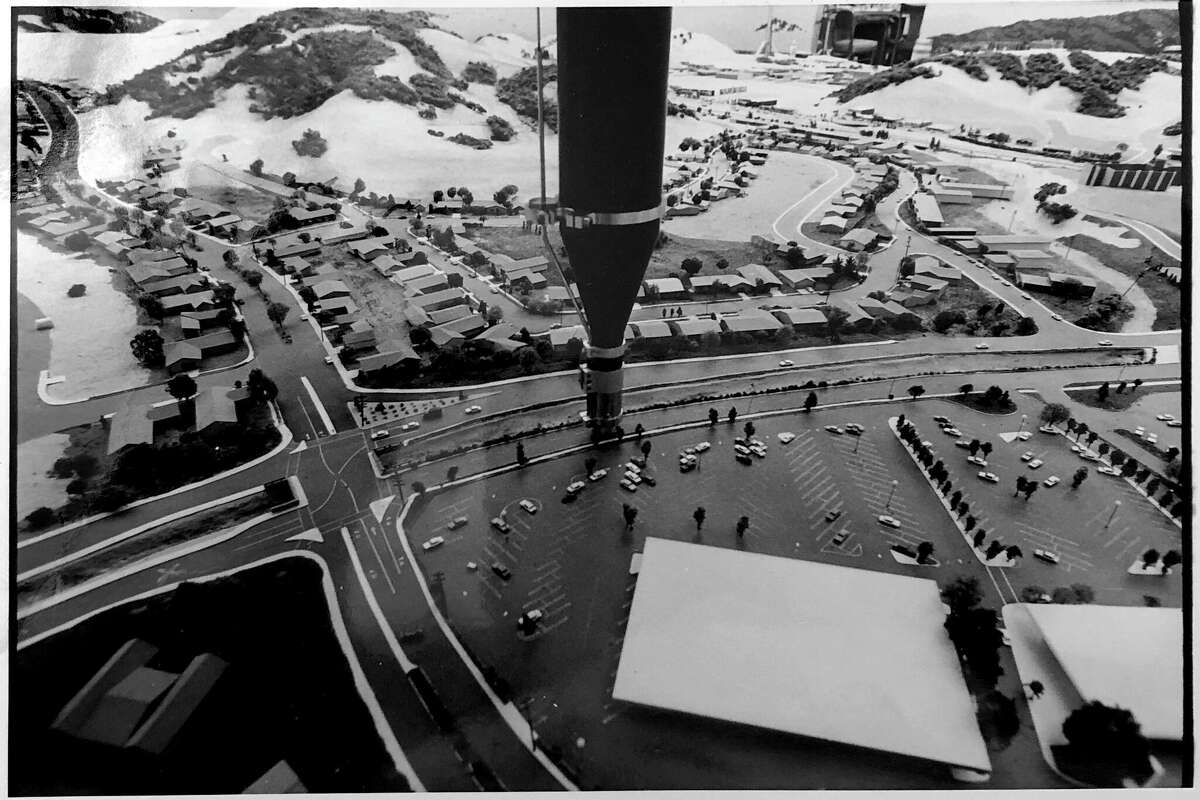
(367,566)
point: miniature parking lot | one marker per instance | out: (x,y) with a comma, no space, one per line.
(1095,539)
(818,497)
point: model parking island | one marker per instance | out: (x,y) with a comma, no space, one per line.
(799,647)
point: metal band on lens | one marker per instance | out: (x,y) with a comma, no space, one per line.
(576,220)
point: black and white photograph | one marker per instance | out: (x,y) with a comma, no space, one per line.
(704,398)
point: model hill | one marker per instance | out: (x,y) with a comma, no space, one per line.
(56,19)
(1096,83)
(700,48)
(291,62)
(1144,31)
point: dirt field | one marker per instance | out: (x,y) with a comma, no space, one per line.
(246,201)
(380,302)
(666,261)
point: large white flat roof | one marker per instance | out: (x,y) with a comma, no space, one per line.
(834,653)
(1127,656)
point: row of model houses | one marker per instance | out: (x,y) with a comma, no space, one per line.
(188,295)
(804,321)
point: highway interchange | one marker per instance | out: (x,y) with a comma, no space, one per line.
(356,540)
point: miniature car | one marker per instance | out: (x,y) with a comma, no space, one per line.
(1037,462)
(377,435)
(1104,343)
(787,362)
(978,461)
(963,443)
(995,277)
(744,458)
(832,515)
(1139,431)
(531,617)
(632,477)
(472,410)
(597,475)
(1048,429)
(941,420)
(1005,283)
(1051,481)
(329,360)
(702,447)
(501,570)
(1046,555)
(1056,317)
(840,538)
(575,487)
(890,522)
(1027,455)
(1165,417)
(436,541)
(1025,436)
(952,431)
(740,440)
(834,429)
(1025,296)
(1107,471)
(410,426)
(529,506)
(687,466)
(786,437)
(1088,455)
(982,346)
(761,452)
(990,477)
(456,523)
(494,289)
(500,525)
(853,426)
(649,480)
(627,486)
(632,466)
(1174,423)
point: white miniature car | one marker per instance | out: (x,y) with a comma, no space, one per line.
(786,437)
(834,429)
(1027,455)
(472,410)
(982,346)
(1037,462)
(990,477)
(529,506)
(436,541)
(1051,481)
(410,426)
(890,522)
(597,475)
(787,362)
